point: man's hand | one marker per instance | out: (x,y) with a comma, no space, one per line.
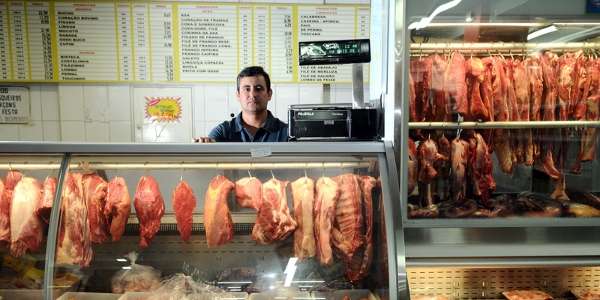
(204,139)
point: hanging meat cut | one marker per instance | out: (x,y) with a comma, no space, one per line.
(459,162)
(25,227)
(327,194)
(248,192)
(347,230)
(45,208)
(184,203)
(94,194)
(149,208)
(117,207)
(412,166)
(10,181)
(481,166)
(74,240)
(303,195)
(217,219)
(273,221)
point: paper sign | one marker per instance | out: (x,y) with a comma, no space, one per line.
(163,109)
(14,104)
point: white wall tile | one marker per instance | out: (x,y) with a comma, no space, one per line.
(342,93)
(310,93)
(97,132)
(71,103)
(200,128)
(198,103)
(72,131)
(119,103)
(216,100)
(95,103)
(49,100)
(51,130)
(36,104)
(120,132)
(31,132)
(9,132)
(284,93)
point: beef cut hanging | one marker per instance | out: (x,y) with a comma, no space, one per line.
(149,208)
(327,194)
(45,208)
(217,219)
(348,225)
(25,226)
(117,207)
(248,192)
(94,194)
(273,220)
(184,203)
(10,181)
(303,194)
(74,238)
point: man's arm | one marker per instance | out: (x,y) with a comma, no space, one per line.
(217,134)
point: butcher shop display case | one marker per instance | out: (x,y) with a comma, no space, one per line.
(210,221)
(499,180)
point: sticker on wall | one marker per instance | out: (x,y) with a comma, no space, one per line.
(14,104)
(163,109)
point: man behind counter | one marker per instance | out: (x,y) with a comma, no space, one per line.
(254,123)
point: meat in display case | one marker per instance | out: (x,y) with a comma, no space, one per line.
(500,183)
(286,221)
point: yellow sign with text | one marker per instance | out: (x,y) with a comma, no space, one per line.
(163,109)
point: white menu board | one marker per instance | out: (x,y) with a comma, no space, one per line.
(39,41)
(261,37)
(282,44)
(320,23)
(4,55)
(124,36)
(245,21)
(18,40)
(208,42)
(141,43)
(86,40)
(161,45)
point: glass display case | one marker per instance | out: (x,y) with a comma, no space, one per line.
(500,178)
(219,221)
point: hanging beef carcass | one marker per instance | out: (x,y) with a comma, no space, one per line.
(327,194)
(217,219)
(440,106)
(589,136)
(481,166)
(348,225)
(48,192)
(456,84)
(273,221)
(248,192)
(94,195)
(74,238)
(184,203)
(117,207)
(10,181)
(475,78)
(412,166)
(303,195)
(428,156)
(149,208)
(25,226)
(459,161)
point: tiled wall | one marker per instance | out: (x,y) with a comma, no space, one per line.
(106,113)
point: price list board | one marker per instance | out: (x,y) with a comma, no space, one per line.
(5,69)
(320,23)
(39,41)
(18,40)
(208,42)
(281,42)
(168,41)
(86,41)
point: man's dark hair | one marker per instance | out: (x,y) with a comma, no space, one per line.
(251,72)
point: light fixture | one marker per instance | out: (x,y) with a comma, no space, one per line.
(541,32)
(438,10)
(126,268)
(270,275)
(469,17)
(121,260)
(289,271)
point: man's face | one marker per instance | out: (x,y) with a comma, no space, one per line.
(253,94)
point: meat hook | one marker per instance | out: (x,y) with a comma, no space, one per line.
(181,174)
(272,175)
(249,174)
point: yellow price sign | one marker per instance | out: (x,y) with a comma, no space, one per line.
(163,109)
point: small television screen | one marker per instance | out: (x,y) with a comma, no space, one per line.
(335,52)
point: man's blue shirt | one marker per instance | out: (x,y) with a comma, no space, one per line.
(274,130)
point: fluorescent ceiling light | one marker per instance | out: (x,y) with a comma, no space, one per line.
(425,21)
(541,32)
(480,24)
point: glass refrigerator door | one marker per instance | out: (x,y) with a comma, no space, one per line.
(503,107)
(222,227)
(27,191)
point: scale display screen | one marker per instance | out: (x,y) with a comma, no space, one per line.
(335,52)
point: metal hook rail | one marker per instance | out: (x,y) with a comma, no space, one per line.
(507,125)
